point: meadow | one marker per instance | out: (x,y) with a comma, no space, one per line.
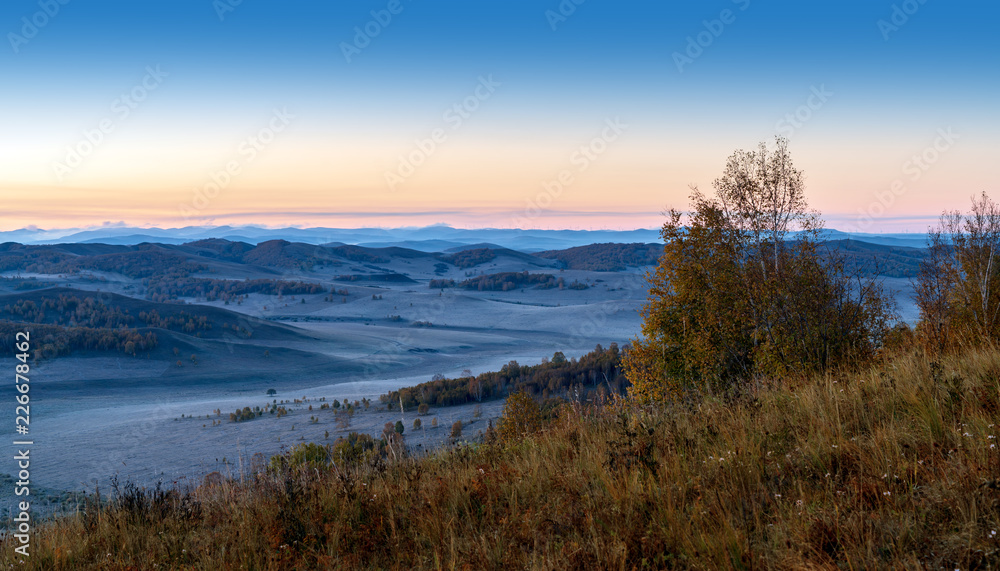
(892,466)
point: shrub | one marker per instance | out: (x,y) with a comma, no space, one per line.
(456,429)
(355,449)
(416,424)
(521,416)
(304,455)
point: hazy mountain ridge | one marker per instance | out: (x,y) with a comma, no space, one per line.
(436,238)
(238,259)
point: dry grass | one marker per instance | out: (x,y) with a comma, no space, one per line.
(896,467)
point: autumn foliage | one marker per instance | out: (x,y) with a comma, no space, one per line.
(521,417)
(958,289)
(745,290)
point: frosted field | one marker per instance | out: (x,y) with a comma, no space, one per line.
(94,417)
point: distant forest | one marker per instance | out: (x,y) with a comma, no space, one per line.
(48,341)
(606,257)
(73,311)
(877,260)
(167,288)
(65,323)
(506,281)
(145,262)
(598,371)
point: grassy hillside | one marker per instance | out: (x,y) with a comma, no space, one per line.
(893,467)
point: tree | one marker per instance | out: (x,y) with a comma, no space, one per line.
(342,419)
(736,295)
(763,197)
(456,429)
(399,427)
(958,288)
(521,416)
(933,293)
(416,424)
(394,439)
(476,389)
(355,448)
(271,392)
(422,408)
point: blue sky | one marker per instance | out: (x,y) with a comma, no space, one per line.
(563,69)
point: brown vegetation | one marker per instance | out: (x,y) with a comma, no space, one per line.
(571,379)
(958,289)
(896,466)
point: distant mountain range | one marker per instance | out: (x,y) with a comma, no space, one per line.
(437,238)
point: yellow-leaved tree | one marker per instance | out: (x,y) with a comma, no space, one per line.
(746,287)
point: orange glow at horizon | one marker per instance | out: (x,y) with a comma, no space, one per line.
(299,182)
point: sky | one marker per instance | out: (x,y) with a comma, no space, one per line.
(486,113)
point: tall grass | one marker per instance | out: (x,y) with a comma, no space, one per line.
(894,467)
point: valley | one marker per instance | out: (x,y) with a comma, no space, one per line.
(234,320)
(363,322)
